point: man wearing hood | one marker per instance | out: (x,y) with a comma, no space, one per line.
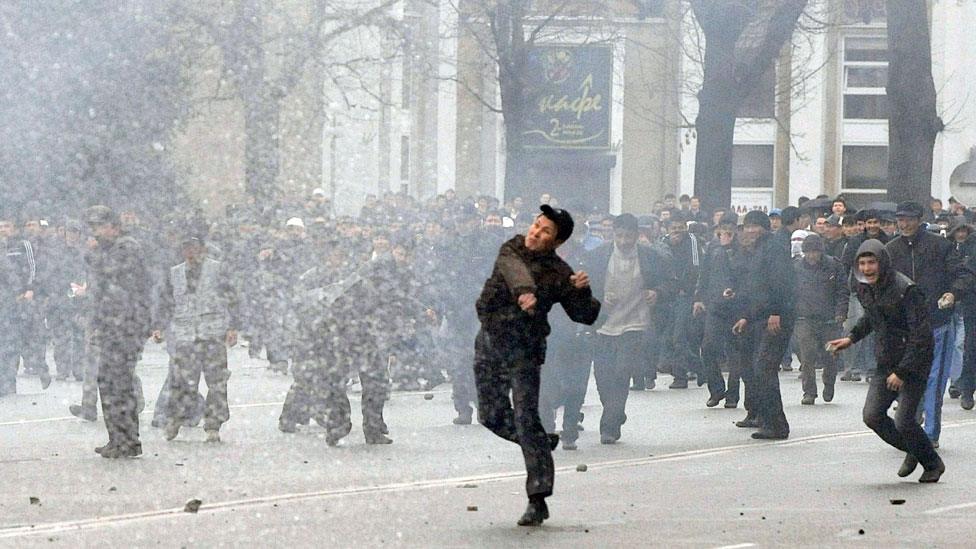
(936,266)
(527,280)
(895,310)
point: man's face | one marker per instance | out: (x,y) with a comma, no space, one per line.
(296,232)
(677,232)
(105,232)
(869,268)
(872,226)
(72,237)
(889,227)
(7,229)
(849,230)
(775,223)
(803,221)
(725,235)
(541,236)
(669,202)
(381,244)
(625,239)
(545,198)
(665,215)
(716,216)
(838,208)
(685,204)
(517,202)
(401,255)
(936,206)
(833,232)
(33,228)
(908,225)
(961,235)
(193,252)
(493,221)
(812,257)
(820,226)
(695,204)
(750,234)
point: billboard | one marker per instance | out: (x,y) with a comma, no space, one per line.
(569,93)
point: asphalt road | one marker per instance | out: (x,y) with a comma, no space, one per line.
(682,476)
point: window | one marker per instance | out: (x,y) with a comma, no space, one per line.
(864,168)
(752,166)
(761,102)
(404,158)
(865,78)
(865,12)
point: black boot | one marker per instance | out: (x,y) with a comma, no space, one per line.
(933,473)
(750,422)
(535,513)
(908,466)
(464,417)
(553,441)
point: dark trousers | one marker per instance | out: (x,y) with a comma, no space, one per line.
(117,390)
(714,350)
(686,339)
(507,380)
(564,380)
(902,432)
(614,358)
(192,359)
(760,352)
(811,337)
(34,336)
(967,378)
(319,392)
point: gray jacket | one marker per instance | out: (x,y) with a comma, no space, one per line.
(203,311)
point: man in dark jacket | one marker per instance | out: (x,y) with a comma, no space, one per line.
(763,305)
(821,307)
(686,252)
(633,282)
(120,326)
(897,312)
(962,234)
(712,300)
(528,279)
(935,265)
(834,240)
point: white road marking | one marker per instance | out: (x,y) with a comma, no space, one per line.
(738,546)
(232,407)
(946,509)
(15,531)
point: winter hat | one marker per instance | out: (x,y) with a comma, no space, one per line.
(757,217)
(812,243)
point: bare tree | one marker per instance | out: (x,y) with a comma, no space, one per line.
(913,121)
(506,31)
(743,39)
(262,63)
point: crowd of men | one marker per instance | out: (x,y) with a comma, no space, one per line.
(721,299)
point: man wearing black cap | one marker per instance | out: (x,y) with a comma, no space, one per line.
(762,296)
(934,264)
(199,308)
(822,296)
(635,283)
(527,280)
(120,326)
(834,240)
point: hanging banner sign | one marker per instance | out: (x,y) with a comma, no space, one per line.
(569,96)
